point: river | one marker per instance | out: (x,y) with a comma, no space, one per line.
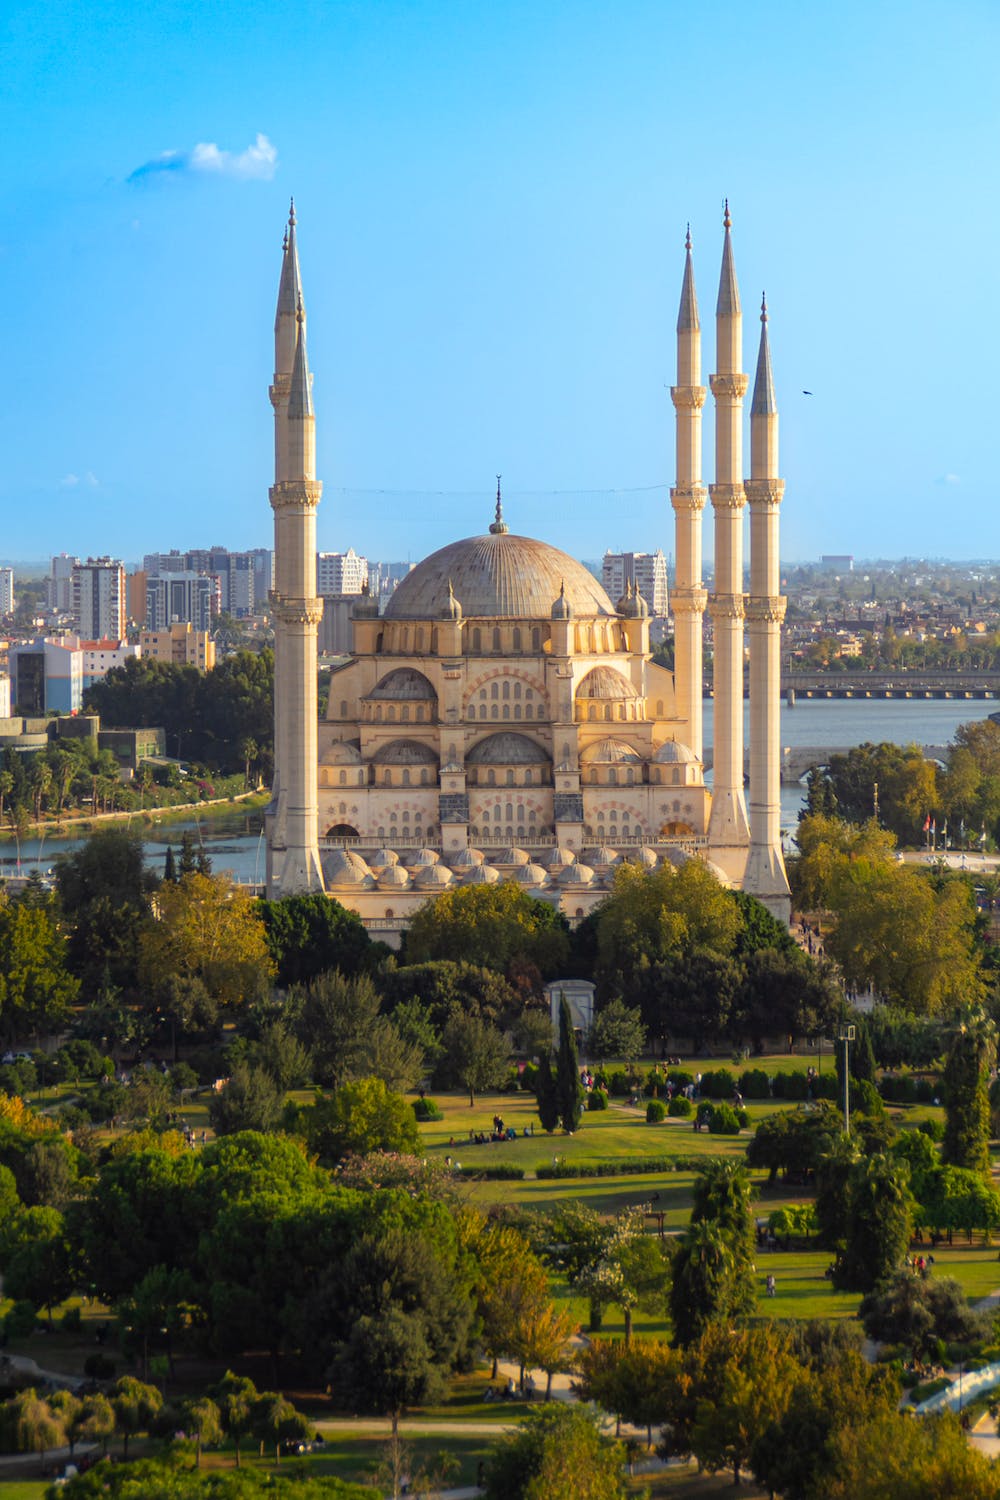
(235,844)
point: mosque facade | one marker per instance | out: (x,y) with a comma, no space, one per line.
(502,717)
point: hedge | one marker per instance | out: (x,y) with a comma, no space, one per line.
(718,1084)
(503,1173)
(656,1111)
(680,1107)
(426,1109)
(633,1167)
(597,1099)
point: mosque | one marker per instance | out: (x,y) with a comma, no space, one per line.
(503,717)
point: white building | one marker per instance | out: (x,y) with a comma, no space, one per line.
(60,583)
(184,597)
(6,591)
(99,599)
(339,573)
(646,571)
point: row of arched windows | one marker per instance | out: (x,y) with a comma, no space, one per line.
(385,713)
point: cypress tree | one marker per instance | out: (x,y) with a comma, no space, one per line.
(545,1092)
(188,860)
(967,1109)
(169,868)
(569,1093)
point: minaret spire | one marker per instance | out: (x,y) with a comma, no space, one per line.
(688,497)
(728,833)
(765,872)
(499,526)
(293,864)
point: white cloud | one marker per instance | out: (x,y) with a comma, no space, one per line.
(948,479)
(69,481)
(258,162)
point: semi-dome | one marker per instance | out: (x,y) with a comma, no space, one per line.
(382,858)
(393,877)
(576,875)
(482,875)
(498,576)
(606,682)
(530,874)
(465,859)
(345,868)
(434,875)
(405,753)
(424,857)
(404,683)
(506,750)
(342,753)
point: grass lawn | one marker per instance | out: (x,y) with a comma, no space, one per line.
(23,1489)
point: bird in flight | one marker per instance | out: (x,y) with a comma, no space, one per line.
(807,393)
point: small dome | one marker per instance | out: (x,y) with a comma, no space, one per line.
(632,605)
(557,859)
(604,856)
(647,857)
(345,868)
(672,752)
(393,877)
(576,875)
(530,874)
(342,753)
(512,857)
(466,859)
(404,684)
(383,858)
(562,609)
(433,875)
(606,682)
(506,750)
(405,753)
(611,753)
(482,875)
(365,606)
(424,857)
(451,610)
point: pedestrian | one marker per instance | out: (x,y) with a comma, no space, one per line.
(771,1285)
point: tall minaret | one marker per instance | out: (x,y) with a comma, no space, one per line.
(765,873)
(292,832)
(728,835)
(688,497)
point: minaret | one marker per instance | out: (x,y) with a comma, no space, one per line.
(765,873)
(293,863)
(728,834)
(688,496)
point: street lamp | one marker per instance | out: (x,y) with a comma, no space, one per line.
(847,1035)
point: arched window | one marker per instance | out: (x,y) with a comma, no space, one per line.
(496,638)
(343,778)
(506,692)
(418,643)
(493,711)
(510,778)
(491,777)
(510,810)
(579,911)
(472,710)
(536,639)
(423,778)
(477,640)
(527,711)
(612,776)
(659,708)
(517,710)
(607,710)
(520,830)
(630,776)
(381,831)
(482,710)
(343,708)
(506,710)
(404,713)
(494,690)
(389,912)
(390,714)
(517,690)
(517,638)
(406,778)
(528,778)
(387,777)
(592,711)
(392,819)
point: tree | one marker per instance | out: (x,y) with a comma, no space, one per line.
(338,1019)
(358,1118)
(38,1263)
(387,1364)
(249,1100)
(879,1218)
(509,1280)
(311,934)
(569,1090)
(631,1271)
(966,1097)
(135,1406)
(741,1381)
(36,991)
(475,1054)
(235,1396)
(203,1418)
(559,1453)
(618,1032)
(207,928)
(545,1094)
(94,1420)
(274,1421)
(892,1457)
(32,1425)
(489,925)
(917,1312)
(713,1272)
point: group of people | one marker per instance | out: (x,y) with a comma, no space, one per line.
(500,1132)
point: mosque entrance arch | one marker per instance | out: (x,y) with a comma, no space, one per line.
(676,831)
(342,831)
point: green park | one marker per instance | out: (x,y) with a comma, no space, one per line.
(283,1211)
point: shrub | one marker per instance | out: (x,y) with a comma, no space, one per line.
(932,1128)
(680,1078)
(504,1172)
(743,1118)
(680,1107)
(723,1121)
(426,1109)
(719,1084)
(529,1078)
(655,1083)
(598,1099)
(20,1321)
(183,1077)
(790,1086)
(825,1087)
(927,1389)
(865,1097)
(81,1059)
(656,1111)
(755,1084)
(618,1084)
(18,1078)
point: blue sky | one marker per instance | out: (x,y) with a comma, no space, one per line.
(492,201)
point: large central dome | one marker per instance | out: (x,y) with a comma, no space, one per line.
(497,576)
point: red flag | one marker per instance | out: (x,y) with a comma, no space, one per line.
(927,823)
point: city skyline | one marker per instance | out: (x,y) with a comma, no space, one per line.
(492,210)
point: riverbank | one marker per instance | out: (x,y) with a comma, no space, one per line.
(151,817)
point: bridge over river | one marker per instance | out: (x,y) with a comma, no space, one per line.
(884,685)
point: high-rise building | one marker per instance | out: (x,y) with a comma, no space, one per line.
(59,585)
(6,591)
(99,599)
(340,573)
(181,644)
(646,571)
(46,677)
(182,596)
(242,579)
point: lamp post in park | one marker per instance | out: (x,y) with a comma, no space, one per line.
(846,1035)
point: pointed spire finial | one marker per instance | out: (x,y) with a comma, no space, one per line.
(687,238)
(726,220)
(763,307)
(291,213)
(284,241)
(299,310)
(499,525)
